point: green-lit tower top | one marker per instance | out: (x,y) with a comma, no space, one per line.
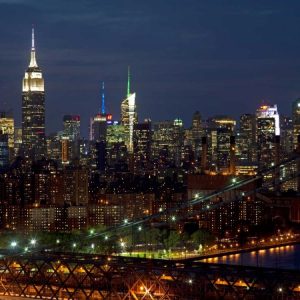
(128,82)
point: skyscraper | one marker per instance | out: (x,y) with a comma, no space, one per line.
(246,139)
(4,153)
(33,109)
(72,127)
(7,127)
(219,131)
(129,115)
(98,123)
(296,121)
(142,146)
(267,127)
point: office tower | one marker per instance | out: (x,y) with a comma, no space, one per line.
(98,132)
(65,150)
(267,127)
(168,138)
(70,138)
(245,140)
(129,115)
(72,127)
(98,127)
(296,121)
(17,141)
(196,134)
(286,135)
(219,131)
(98,124)
(54,146)
(4,150)
(116,150)
(33,109)
(7,127)
(142,135)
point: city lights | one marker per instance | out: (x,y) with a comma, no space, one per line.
(14,244)
(147,202)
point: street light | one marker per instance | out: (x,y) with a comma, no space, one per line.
(33,242)
(14,244)
(92,231)
(140,228)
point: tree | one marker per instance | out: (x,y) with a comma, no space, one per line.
(202,237)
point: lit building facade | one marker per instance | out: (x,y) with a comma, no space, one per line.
(129,115)
(72,127)
(4,151)
(142,136)
(245,140)
(7,127)
(267,127)
(296,121)
(220,130)
(168,139)
(33,110)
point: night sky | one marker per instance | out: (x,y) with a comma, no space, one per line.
(218,57)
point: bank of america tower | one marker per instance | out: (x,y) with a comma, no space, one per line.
(33,109)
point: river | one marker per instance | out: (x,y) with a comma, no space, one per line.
(284,257)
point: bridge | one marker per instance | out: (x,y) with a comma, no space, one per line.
(70,276)
(55,274)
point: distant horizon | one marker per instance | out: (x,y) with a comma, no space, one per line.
(184,57)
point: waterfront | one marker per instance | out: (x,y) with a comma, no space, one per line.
(283,257)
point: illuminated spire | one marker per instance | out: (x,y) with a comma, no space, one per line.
(103,100)
(33,63)
(128,82)
(32,39)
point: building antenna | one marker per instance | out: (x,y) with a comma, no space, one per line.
(32,38)
(103,100)
(128,82)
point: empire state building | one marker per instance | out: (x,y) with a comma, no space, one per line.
(33,109)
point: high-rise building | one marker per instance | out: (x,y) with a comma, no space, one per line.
(7,127)
(267,127)
(129,115)
(142,146)
(33,109)
(4,152)
(296,121)
(98,123)
(17,141)
(219,131)
(116,150)
(72,127)
(168,139)
(196,134)
(286,135)
(245,140)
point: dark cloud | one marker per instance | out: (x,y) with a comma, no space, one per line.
(212,56)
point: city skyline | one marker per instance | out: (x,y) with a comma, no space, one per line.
(187,65)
